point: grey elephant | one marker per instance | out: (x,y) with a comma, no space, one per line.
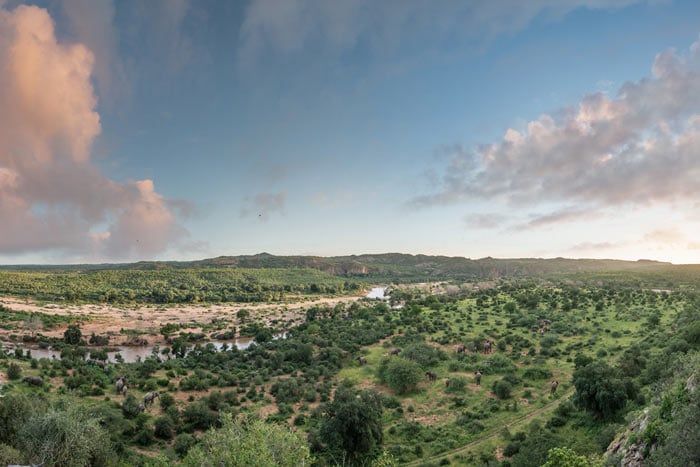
(150,397)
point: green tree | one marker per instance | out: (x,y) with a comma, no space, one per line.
(69,437)
(502,389)
(400,374)
(72,335)
(14,371)
(599,389)
(351,427)
(164,427)
(251,442)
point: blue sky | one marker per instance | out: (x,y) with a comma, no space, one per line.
(313,127)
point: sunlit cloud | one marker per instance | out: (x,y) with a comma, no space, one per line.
(636,149)
(52,197)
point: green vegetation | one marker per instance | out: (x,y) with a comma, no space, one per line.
(515,373)
(170,285)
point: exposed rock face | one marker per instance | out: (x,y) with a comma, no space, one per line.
(630,454)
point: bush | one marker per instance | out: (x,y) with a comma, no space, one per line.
(164,427)
(599,389)
(423,354)
(197,416)
(182,444)
(502,389)
(249,443)
(14,371)
(72,335)
(130,407)
(10,455)
(537,373)
(65,437)
(400,374)
(166,400)
(457,384)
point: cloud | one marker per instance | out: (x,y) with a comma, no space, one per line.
(51,195)
(155,40)
(287,27)
(568,214)
(92,24)
(668,236)
(263,205)
(594,247)
(639,147)
(484,221)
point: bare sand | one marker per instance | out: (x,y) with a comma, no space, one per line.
(106,319)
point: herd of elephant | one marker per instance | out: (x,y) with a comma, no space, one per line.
(148,399)
(487,346)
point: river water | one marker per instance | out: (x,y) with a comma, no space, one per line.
(377,293)
(131,354)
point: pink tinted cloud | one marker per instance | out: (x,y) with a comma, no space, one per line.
(51,195)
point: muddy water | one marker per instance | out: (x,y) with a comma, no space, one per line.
(378,293)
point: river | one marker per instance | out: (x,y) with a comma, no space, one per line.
(378,293)
(131,354)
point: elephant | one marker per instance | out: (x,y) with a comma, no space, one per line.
(461,348)
(477,377)
(121,382)
(150,397)
(488,346)
(362,361)
(394,351)
(33,380)
(553,387)
(431,375)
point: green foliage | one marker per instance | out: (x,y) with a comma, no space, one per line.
(600,389)
(351,426)
(457,384)
(10,455)
(170,285)
(423,354)
(565,457)
(67,437)
(72,335)
(182,444)
(502,388)
(249,442)
(130,407)
(14,371)
(400,374)
(164,427)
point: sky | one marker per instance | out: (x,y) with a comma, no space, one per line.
(183,129)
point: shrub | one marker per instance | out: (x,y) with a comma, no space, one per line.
(14,371)
(352,425)
(502,389)
(457,384)
(423,354)
(400,374)
(599,389)
(65,437)
(249,443)
(183,442)
(72,335)
(164,427)
(130,407)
